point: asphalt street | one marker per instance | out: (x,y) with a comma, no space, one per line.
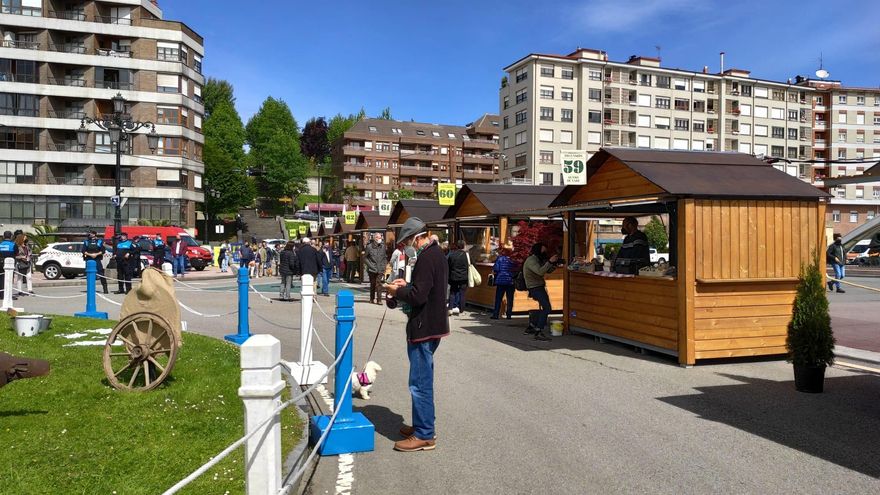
(576,416)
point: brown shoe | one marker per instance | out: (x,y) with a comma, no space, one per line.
(408,431)
(414,444)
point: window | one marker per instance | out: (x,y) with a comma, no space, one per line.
(520,138)
(841,118)
(197,63)
(547,92)
(777,113)
(661,102)
(745,129)
(841,154)
(521,74)
(548,70)
(661,143)
(698,145)
(644,79)
(519,160)
(435,134)
(16,173)
(761,149)
(778,132)
(699,106)
(546,178)
(777,151)
(505,142)
(860,192)
(792,133)
(680,84)
(18,138)
(663,81)
(644,100)
(761,112)
(644,121)
(168,52)
(681,104)
(595,75)
(661,122)
(167,83)
(22,7)
(835,216)
(853,217)
(167,115)
(792,115)
(545,135)
(567,73)
(876,119)
(546,113)
(792,152)
(567,94)
(860,119)
(521,96)
(21,105)
(566,137)
(699,87)
(841,136)
(595,94)
(745,148)
(680,144)
(197,122)
(506,122)
(760,92)
(699,126)
(841,99)
(521,117)
(682,125)
(643,141)
(594,137)
(745,110)
(545,157)
(506,101)
(594,117)
(169,146)
(761,130)
(778,95)
(21,71)
(567,115)
(746,90)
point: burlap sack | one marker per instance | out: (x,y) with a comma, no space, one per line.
(155,294)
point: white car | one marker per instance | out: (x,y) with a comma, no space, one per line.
(63,259)
(658,257)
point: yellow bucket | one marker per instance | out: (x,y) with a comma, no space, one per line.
(556,328)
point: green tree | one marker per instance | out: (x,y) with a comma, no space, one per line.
(274,116)
(225,130)
(810,340)
(339,125)
(228,178)
(217,91)
(314,140)
(397,194)
(386,114)
(284,167)
(656,233)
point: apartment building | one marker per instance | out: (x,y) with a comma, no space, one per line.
(846,141)
(378,156)
(584,101)
(62,60)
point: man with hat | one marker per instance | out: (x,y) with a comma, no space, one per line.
(425,305)
(122,253)
(8,249)
(93,249)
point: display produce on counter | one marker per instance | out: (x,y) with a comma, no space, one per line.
(602,267)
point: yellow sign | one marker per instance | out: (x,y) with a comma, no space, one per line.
(303,229)
(446,194)
(351,217)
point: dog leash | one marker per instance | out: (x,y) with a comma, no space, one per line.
(376,340)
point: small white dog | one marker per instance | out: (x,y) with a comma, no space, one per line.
(362,381)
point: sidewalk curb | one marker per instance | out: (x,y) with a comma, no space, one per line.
(858,354)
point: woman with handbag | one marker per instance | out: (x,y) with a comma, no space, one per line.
(536,266)
(23,265)
(503,275)
(459,266)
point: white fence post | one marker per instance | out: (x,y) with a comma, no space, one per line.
(261,386)
(8,275)
(307,371)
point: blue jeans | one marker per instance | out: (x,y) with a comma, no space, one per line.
(179,265)
(500,292)
(421,386)
(325,279)
(539,294)
(839,273)
(456,295)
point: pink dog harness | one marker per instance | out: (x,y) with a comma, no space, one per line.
(363,379)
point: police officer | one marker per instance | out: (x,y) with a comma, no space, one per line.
(122,254)
(158,251)
(93,249)
(8,249)
(134,257)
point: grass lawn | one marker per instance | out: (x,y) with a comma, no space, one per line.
(69,432)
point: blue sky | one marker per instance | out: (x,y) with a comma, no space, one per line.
(441,62)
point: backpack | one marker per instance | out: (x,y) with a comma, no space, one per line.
(519,282)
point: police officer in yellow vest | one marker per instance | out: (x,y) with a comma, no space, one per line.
(8,249)
(93,249)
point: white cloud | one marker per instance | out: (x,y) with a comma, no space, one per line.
(606,16)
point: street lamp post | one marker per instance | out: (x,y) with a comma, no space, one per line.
(213,193)
(120,126)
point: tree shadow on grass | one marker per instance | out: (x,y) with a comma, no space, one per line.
(841,426)
(386,421)
(21,412)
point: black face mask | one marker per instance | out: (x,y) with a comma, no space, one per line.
(838,241)
(623,231)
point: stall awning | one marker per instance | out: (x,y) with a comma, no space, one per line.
(371,221)
(483,200)
(427,210)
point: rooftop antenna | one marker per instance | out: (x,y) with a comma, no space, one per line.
(658,51)
(822,73)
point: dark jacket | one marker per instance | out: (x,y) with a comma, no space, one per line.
(310,260)
(504,268)
(426,296)
(635,246)
(376,257)
(288,263)
(458,267)
(245,255)
(835,254)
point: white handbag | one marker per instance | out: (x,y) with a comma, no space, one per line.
(474,278)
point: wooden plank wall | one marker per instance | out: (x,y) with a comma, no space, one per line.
(484,296)
(748,255)
(614,180)
(640,308)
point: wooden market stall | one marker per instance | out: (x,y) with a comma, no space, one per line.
(739,232)
(492,211)
(427,210)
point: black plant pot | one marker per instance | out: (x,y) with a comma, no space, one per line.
(809,379)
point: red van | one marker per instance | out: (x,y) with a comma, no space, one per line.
(197,256)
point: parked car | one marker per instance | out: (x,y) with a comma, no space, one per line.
(197,256)
(871,257)
(658,257)
(63,259)
(860,250)
(306,215)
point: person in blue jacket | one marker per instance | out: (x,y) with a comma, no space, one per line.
(505,272)
(93,249)
(123,252)
(8,249)
(158,251)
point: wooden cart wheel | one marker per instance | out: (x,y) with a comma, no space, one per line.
(146,355)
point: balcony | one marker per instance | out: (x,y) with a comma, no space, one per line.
(107,52)
(819,124)
(68,15)
(79,48)
(355,164)
(472,158)
(819,144)
(23,78)
(98,182)
(24,45)
(76,81)
(480,143)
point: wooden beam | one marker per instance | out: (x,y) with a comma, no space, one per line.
(686,281)
(566,282)
(502,236)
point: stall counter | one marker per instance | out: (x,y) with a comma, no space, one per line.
(484,296)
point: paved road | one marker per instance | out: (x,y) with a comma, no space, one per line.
(855,314)
(575,416)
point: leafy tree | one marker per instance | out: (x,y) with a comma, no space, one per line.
(225,130)
(656,233)
(397,194)
(314,140)
(42,236)
(810,341)
(274,116)
(386,114)
(284,166)
(228,178)
(348,193)
(217,91)
(339,125)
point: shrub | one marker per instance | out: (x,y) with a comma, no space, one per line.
(810,341)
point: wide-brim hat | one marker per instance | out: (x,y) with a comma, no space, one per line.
(411,227)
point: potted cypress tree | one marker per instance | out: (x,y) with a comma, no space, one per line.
(810,341)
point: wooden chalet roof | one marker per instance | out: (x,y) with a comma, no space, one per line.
(500,199)
(371,220)
(427,210)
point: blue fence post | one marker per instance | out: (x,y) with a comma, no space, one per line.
(244,330)
(351,432)
(91,308)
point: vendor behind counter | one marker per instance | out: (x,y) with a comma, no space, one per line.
(634,253)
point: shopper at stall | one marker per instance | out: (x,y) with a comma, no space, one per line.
(634,252)
(375,259)
(837,258)
(93,249)
(327,268)
(457,260)
(536,266)
(504,271)
(310,261)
